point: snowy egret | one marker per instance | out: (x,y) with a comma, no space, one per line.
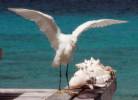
(64,44)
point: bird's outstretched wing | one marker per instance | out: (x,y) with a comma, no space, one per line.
(44,21)
(94,24)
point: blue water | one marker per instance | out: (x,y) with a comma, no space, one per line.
(28,56)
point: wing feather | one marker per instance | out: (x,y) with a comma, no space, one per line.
(94,24)
(45,22)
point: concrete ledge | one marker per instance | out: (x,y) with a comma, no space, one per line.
(15,90)
(105,93)
(26,94)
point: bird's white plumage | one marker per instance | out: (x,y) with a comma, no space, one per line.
(44,21)
(64,44)
(94,24)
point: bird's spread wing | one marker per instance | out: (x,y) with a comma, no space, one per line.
(95,24)
(45,22)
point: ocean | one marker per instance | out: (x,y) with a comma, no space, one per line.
(27,57)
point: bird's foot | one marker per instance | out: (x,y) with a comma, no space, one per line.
(60,92)
(70,91)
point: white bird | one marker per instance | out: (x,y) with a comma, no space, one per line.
(64,44)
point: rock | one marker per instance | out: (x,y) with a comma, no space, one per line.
(84,93)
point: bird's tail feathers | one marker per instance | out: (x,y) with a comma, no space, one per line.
(56,62)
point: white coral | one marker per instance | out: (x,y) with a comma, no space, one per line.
(91,70)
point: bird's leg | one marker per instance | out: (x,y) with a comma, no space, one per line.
(67,77)
(60,91)
(69,90)
(59,88)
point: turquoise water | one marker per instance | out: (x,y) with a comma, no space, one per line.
(27,54)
